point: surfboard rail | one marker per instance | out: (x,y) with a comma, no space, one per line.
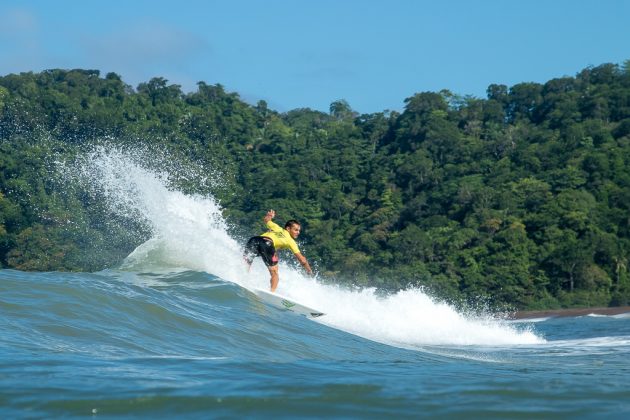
(283,302)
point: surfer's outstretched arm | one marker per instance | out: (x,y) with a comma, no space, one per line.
(270,215)
(302,259)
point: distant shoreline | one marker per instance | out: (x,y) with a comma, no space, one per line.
(556,313)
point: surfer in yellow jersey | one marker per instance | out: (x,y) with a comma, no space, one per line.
(276,238)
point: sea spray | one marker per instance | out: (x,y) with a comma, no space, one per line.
(189,232)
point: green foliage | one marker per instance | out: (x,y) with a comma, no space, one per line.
(520,199)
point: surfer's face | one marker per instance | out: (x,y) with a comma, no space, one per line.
(294,231)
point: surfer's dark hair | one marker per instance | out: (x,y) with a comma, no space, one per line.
(290,223)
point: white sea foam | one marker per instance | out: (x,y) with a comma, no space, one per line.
(190,232)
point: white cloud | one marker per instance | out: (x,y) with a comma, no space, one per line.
(145,50)
(20,48)
(148,43)
(18,22)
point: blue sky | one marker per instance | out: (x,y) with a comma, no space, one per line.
(309,53)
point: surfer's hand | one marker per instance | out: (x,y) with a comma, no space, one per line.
(270,215)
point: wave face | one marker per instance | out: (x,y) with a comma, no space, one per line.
(188,344)
(176,331)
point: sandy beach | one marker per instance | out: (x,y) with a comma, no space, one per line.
(571,312)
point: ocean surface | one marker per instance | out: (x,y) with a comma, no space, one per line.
(176,332)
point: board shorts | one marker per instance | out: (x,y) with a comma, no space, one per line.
(263,246)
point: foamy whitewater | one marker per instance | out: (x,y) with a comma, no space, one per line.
(189,232)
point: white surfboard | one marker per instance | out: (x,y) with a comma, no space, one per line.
(286,303)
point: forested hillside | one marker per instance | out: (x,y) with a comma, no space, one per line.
(522,198)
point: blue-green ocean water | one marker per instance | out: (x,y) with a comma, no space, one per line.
(189,345)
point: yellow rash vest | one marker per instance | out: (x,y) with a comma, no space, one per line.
(281,238)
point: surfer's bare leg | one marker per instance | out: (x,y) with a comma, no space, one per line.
(248,262)
(273,270)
